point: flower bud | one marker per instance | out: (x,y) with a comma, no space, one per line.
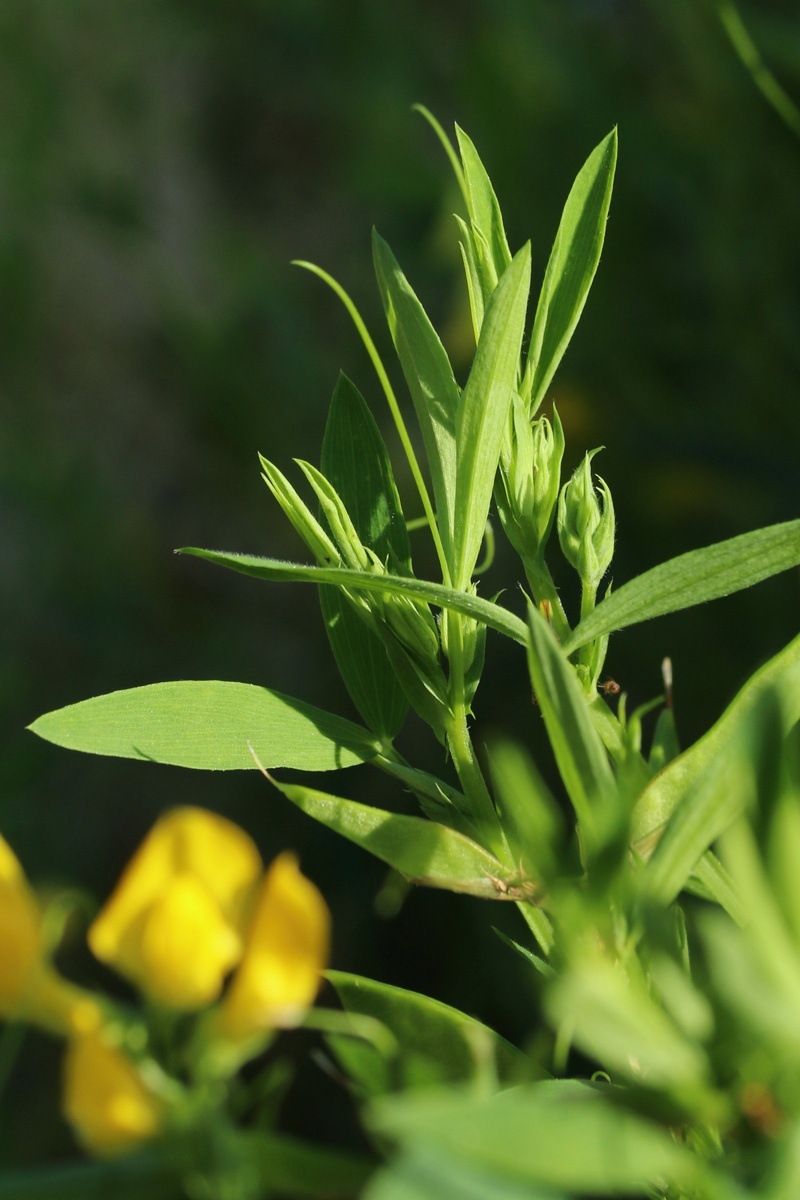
(285,952)
(531,479)
(105,1097)
(585,525)
(174,924)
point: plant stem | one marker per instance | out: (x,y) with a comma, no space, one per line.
(540,581)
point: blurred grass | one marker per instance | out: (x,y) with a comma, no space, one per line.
(160,164)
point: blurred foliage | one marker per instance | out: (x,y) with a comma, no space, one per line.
(160,164)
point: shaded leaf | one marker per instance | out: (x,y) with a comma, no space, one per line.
(580,754)
(435,1043)
(423,851)
(355,461)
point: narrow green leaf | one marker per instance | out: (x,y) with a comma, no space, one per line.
(484,210)
(494,616)
(665,790)
(436,1043)
(355,461)
(209,725)
(693,578)
(580,754)
(430,380)
(429,854)
(558,1133)
(483,411)
(571,268)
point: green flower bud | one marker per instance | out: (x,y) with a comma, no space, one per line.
(531,479)
(586,525)
(415,628)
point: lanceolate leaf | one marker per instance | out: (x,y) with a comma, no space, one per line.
(209,725)
(423,851)
(430,380)
(492,615)
(693,578)
(484,210)
(355,461)
(572,266)
(667,789)
(483,411)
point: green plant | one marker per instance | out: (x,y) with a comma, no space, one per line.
(686,1009)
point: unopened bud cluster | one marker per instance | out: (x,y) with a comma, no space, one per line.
(531,480)
(586,525)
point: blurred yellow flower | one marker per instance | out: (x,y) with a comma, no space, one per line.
(20,931)
(29,987)
(173,925)
(105,1098)
(285,952)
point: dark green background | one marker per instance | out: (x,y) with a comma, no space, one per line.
(160,165)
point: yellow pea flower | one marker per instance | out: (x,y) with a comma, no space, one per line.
(105,1098)
(20,931)
(285,952)
(173,925)
(30,989)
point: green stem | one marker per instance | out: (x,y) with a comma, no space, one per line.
(540,581)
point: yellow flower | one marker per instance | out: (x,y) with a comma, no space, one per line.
(20,932)
(105,1098)
(285,953)
(29,987)
(173,925)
